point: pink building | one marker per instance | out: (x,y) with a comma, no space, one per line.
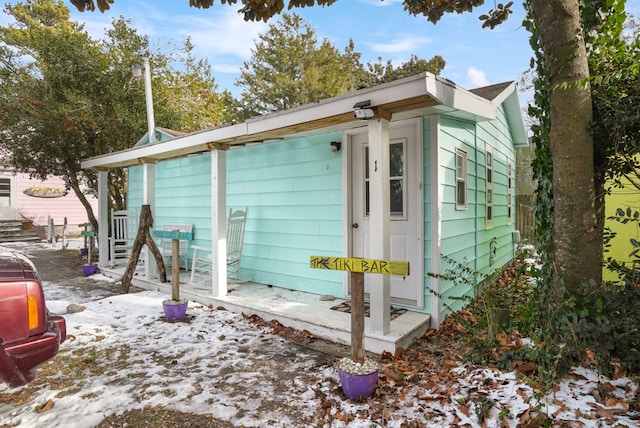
(23,198)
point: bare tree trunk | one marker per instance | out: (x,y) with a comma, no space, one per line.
(577,246)
(143,237)
(117,185)
(85,203)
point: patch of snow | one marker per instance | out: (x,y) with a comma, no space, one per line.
(218,363)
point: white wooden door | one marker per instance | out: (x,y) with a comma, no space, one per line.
(406,207)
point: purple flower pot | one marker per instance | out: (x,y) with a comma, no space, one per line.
(84,252)
(358,386)
(175,310)
(88,270)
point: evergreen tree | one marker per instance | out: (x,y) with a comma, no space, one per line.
(288,68)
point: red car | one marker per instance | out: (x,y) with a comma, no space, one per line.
(29,334)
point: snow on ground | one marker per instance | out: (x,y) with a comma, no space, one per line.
(218,363)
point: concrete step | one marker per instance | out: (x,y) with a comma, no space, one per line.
(13,231)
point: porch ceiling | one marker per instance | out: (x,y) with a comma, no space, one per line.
(414,96)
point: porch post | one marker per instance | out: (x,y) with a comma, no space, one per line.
(219,222)
(379,224)
(149,198)
(103,218)
(437,196)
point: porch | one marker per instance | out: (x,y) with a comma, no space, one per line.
(325,317)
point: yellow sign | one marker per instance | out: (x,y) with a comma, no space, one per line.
(352,264)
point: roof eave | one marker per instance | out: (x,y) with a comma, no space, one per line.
(412,93)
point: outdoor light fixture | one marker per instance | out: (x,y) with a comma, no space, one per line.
(362,110)
(136,70)
(335,146)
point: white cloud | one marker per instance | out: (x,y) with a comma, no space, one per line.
(219,34)
(223,67)
(401,44)
(476,77)
(214,32)
(224,32)
(380,3)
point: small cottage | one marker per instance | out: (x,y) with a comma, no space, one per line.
(413,170)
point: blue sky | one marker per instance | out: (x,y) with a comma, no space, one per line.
(474,56)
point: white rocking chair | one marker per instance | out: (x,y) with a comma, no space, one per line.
(202,257)
(124,227)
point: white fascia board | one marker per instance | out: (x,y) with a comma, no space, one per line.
(443,91)
(178,143)
(506,93)
(380,95)
(509,98)
(514,116)
(458,99)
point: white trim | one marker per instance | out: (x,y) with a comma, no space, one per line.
(219,223)
(348,195)
(437,196)
(510,191)
(509,98)
(103,218)
(149,198)
(379,225)
(11,211)
(460,152)
(324,116)
(420,213)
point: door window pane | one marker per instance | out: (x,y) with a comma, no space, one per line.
(396,178)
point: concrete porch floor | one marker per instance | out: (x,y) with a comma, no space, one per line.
(291,308)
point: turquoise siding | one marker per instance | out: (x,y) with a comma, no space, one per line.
(293,190)
(458,234)
(496,135)
(134,188)
(294,193)
(183,193)
(466,238)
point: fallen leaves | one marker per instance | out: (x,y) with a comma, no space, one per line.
(275,327)
(47,406)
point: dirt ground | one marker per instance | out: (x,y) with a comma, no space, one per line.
(64,267)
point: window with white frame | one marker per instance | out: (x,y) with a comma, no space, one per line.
(5,192)
(489,188)
(509,192)
(461,179)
